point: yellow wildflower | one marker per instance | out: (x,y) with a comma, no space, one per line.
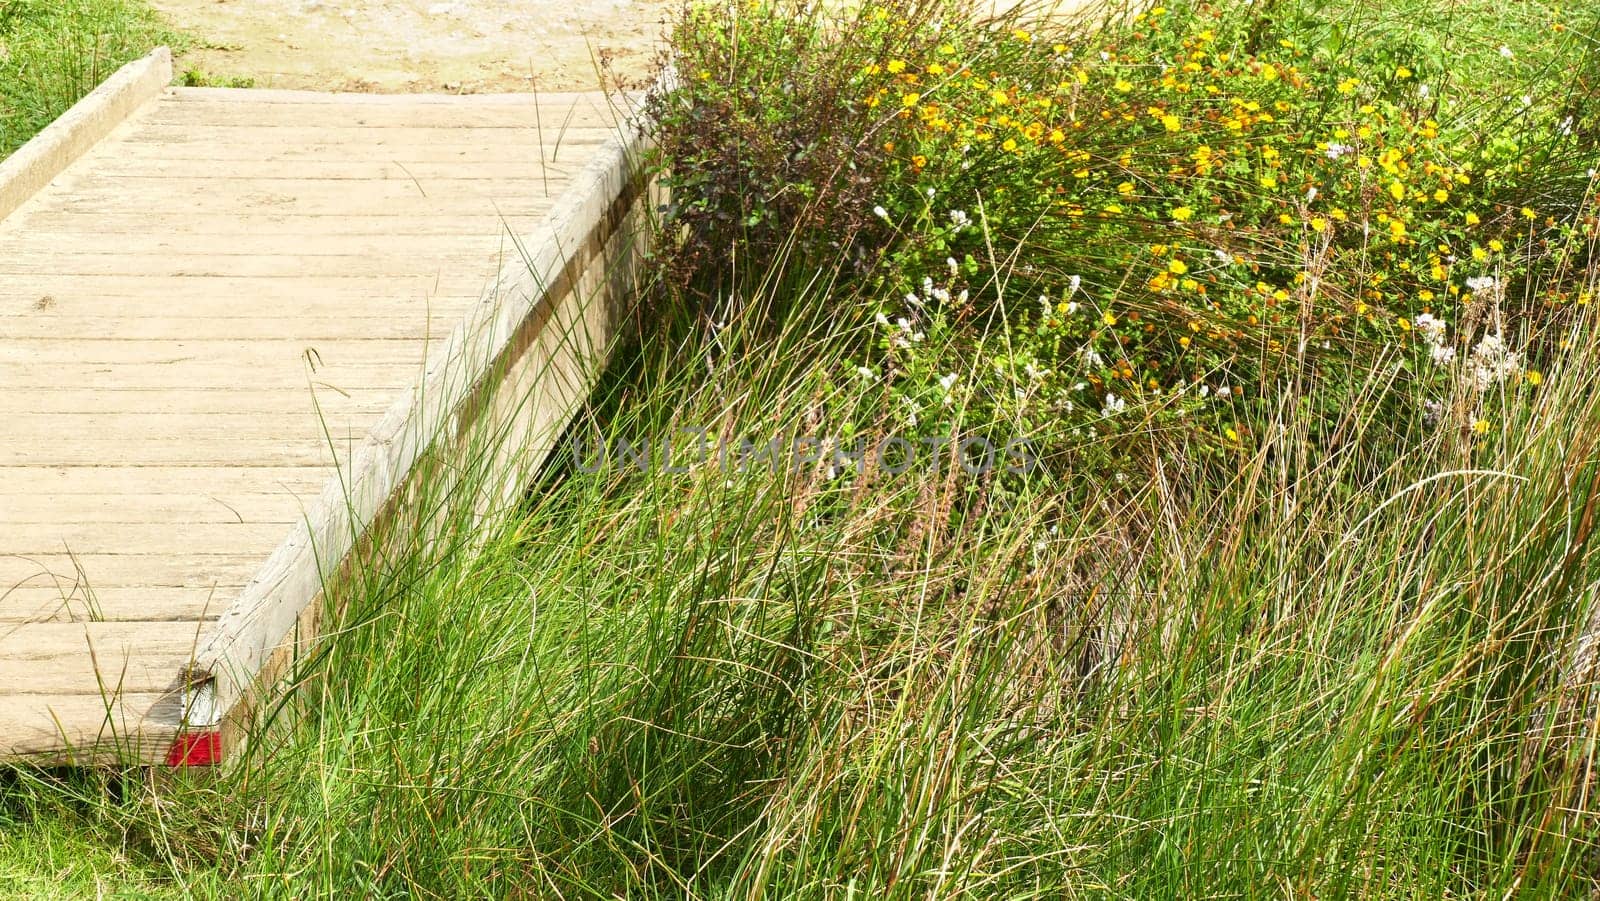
(1182,213)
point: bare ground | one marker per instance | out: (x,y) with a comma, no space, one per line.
(421,45)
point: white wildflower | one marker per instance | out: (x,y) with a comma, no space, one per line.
(1336,150)
(1481,283)
(1493,362)
(881,213)
(1506,52)
(1114,405)
(1430,327)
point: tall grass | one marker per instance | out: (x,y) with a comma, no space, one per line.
(52,52)
(1330,676)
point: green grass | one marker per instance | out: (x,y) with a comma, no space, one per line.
(52,52)
(1341,660)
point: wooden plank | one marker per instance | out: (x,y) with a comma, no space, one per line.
(549,113)
(223,289)
(241,351)
(298,267)
(190,567)
(410,298)
(206,374)
(187,451)
(164,480)
(148,537)
(475,152)
(80,730)
(116,223)
(349,99)
(354,167)
(314,400)
(270,440)
(474,237)
(310,328)
(289,203)
(94,657)
(378,140)
(137,187)
(132,506)
(114,604)
(52,150)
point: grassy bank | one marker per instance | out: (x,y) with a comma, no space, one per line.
(52,52)
(1290,598)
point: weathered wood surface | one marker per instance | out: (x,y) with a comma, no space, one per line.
(228,331)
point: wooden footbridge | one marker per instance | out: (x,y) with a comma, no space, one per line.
(232,323)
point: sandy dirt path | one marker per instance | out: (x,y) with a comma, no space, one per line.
(420,45)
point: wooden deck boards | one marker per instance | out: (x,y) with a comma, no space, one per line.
(200,318)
